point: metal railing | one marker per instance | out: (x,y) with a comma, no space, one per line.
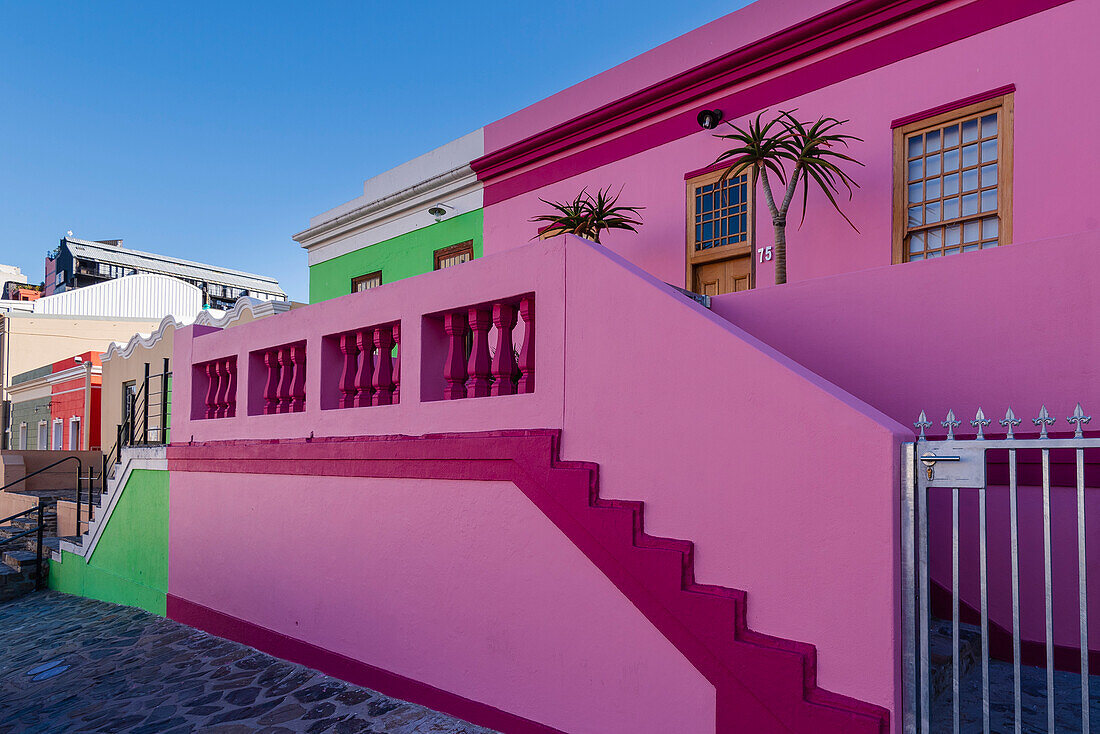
(40,526)
(136,428)
(951,465)
(40,510)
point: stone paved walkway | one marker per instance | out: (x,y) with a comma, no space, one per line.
(69,664)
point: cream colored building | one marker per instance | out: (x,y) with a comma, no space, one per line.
(125,367)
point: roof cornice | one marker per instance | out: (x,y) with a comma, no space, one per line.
(258,309)
(811,36)
(449,183)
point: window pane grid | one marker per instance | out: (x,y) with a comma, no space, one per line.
(721,213)
(951,188)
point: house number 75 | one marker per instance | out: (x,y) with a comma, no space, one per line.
(765,253)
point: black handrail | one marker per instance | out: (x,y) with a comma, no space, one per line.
(39,527)
(135,419)
(79,469)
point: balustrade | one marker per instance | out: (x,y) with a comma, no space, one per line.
(472,368)
(217,381)
(282,373)
(365,367)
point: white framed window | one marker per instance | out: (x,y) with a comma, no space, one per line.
(58,435)
(74,433)
(23,436)
(43,436)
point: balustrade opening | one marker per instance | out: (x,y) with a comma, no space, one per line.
(277,379)
(214,389)
(481,350)
(362,367)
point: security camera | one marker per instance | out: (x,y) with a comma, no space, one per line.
(709,119)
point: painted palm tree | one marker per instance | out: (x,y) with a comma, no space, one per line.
(587,215)
(793,152)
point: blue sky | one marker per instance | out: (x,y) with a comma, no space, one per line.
(214,130)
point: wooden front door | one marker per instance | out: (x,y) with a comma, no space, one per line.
(723,276)
(719,236)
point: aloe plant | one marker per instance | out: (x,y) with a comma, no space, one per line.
(587,215)
(794,152)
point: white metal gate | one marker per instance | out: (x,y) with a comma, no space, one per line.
(962,468)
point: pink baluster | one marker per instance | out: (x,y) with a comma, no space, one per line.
(347,377)
(211,390)
(383,367)
(504,361)
(231,386)
(298,383)
(219,394)
(364,340)
(454,369)
(397,364)
(527,352)
(271,387)
(477,386)
(285,377)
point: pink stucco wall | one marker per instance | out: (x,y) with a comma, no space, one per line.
(722,437)
(1050,198)
(998,329)
(760,462)
(465,586)
(538,269)
(994,329)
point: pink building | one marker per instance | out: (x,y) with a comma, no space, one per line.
(475,446)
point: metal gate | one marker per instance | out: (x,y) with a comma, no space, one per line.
(986,471)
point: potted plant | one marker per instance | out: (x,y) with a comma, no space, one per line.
(587,215)
(793,152)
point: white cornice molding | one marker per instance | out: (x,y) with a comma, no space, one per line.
(72,373)
(258,309)
(452,183)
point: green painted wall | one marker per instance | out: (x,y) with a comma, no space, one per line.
(130,562)
(25,412)
(401,257)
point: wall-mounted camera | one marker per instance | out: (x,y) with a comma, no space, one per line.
(709,119)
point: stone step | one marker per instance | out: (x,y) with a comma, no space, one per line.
(20,559)
(15,583)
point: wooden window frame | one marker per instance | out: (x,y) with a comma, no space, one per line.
(726,251)
(368,276)
(451,251)
(1004,106)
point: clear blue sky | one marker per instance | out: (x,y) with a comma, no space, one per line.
(214,130)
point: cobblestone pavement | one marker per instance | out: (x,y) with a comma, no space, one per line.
(69,664)
(1033,698)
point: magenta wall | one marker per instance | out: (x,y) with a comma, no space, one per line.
(767,467)
(732,459)
(1051,196)
(997,329)
(464,586)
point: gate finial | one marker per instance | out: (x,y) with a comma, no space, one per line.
(1043,421)
(922,423)
(1079,418)
(1009,421)
(979,422)
(950,424)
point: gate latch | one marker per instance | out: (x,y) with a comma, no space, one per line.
(929,460)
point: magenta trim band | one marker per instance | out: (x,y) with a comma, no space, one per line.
(977,17)
(800,40)
(952,106)
(763,684)
(348,669)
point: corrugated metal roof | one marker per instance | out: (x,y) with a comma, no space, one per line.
(143,296)
(165,265)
